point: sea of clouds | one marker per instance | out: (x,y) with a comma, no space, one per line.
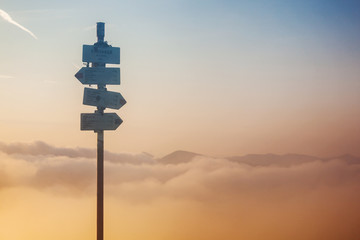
(204,198)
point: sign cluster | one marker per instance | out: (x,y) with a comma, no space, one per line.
(96,56)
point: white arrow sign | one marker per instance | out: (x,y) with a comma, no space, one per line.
(99,75)
(97,54)
(102,98)
(98,121)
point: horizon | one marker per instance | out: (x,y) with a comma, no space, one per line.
(8,148)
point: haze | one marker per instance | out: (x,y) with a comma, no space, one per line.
(218,78)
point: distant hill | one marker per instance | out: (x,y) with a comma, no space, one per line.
(350,159)
(178,157)
(285,160)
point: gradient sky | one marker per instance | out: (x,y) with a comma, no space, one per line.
(215,77)
(221,78)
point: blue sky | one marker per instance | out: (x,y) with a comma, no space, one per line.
(218,77)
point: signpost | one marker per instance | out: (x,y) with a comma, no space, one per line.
(99,122)
(103,99)
(99,75)
(99,55)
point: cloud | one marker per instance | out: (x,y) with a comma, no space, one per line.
(41,148)
(6,77)
(8,18)
(32,150)
(205,198)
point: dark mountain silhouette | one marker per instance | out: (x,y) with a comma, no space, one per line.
(285,160)
(350,159)
(178,157)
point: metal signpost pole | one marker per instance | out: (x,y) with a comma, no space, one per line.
(100,30)
(98,55)
(100,185)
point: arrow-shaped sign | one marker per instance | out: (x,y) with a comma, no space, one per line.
(98,121)
(99,75)
(97,54)
(102,98)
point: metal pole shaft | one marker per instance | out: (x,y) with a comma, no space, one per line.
(100,149)
(100,185)
(100,176)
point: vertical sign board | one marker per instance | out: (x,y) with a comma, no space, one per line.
(98,54)
(103,99)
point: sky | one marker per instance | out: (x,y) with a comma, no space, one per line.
(220,78)
(216,77)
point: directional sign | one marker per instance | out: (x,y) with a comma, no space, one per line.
(99,75)
(98,121)
(97,54)
(102,98)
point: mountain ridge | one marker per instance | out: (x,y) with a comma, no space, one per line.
(284,160)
